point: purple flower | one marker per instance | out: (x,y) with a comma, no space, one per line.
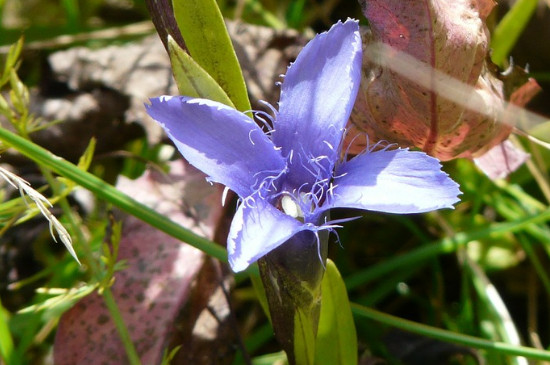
(288,178)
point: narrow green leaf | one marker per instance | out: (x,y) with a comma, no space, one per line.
(267,17)
(295,13)
(7,352)
(448,336)
(72,14)
(270,359)
(446,245)
(112,195)
(304,339)
(11,61)
(336,336)
(85,160)
(192,79)
(167,357)
(510,28)
(260,294)
(205,35)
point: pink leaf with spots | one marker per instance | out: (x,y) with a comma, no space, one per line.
(450,37)
(158,281)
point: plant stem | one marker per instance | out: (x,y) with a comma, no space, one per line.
(443,246)
(120,326)
(108,192)
(448,336)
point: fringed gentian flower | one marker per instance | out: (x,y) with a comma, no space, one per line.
(290,177)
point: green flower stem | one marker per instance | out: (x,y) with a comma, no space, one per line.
(109,193)
(542,272)
(490,299)
(448,336)
(292,277)
(110,302)
(443,246)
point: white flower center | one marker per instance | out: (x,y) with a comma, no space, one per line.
(291,207)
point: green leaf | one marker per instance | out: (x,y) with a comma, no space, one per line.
(336,336)
(168,357)
(205,35)
(509,29)
(270,359)
(304,339)
(7,350)
(84,163)
(85,160)
(105,191)
(11,61)
(260,294)
(192,79)
(449,336)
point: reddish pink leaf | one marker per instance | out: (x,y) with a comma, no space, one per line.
(505,158)
(501,160)
(450,37)
(159,278)
(523,94)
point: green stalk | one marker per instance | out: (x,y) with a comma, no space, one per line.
(443,246)
(535,261)
(448,336)
(120,326)
(109,193)
(510,28)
